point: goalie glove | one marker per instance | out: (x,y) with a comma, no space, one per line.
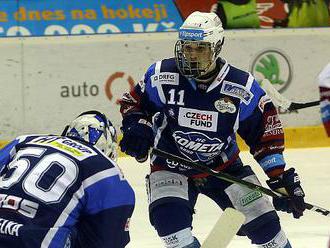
(289,184)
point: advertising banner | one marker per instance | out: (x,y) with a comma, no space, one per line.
(60,17)
(272,13)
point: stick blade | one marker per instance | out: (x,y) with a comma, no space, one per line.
(225,229)
(276,97)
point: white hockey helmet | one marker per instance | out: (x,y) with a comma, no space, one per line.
(201,37)
(94,128)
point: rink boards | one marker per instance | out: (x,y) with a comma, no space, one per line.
(47,81)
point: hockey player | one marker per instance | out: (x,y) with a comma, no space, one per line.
(324,87)
(192,106)
(65,191)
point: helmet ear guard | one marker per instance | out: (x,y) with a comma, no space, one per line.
(94,128)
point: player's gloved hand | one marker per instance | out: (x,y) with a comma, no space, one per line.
(137,139)
(289,182)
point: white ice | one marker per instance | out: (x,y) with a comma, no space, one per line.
(310,231)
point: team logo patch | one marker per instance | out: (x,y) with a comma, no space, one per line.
(165,77)
(198,119)
(273,126)
(250,197)
(225,105)
(69,146)
(197,146)
(237,91)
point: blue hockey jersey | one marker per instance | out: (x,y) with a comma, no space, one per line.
(202,125)
(59,192)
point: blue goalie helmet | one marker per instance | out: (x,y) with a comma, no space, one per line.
(94,128)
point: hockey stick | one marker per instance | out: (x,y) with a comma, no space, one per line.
(224,229)
(283,102)
(232,179)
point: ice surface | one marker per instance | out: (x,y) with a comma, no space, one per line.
(310,231)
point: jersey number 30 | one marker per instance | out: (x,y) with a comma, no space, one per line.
(19,171)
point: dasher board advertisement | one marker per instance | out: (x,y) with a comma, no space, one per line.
(79,17)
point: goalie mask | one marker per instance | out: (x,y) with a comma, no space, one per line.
(94,128)
(200,41)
